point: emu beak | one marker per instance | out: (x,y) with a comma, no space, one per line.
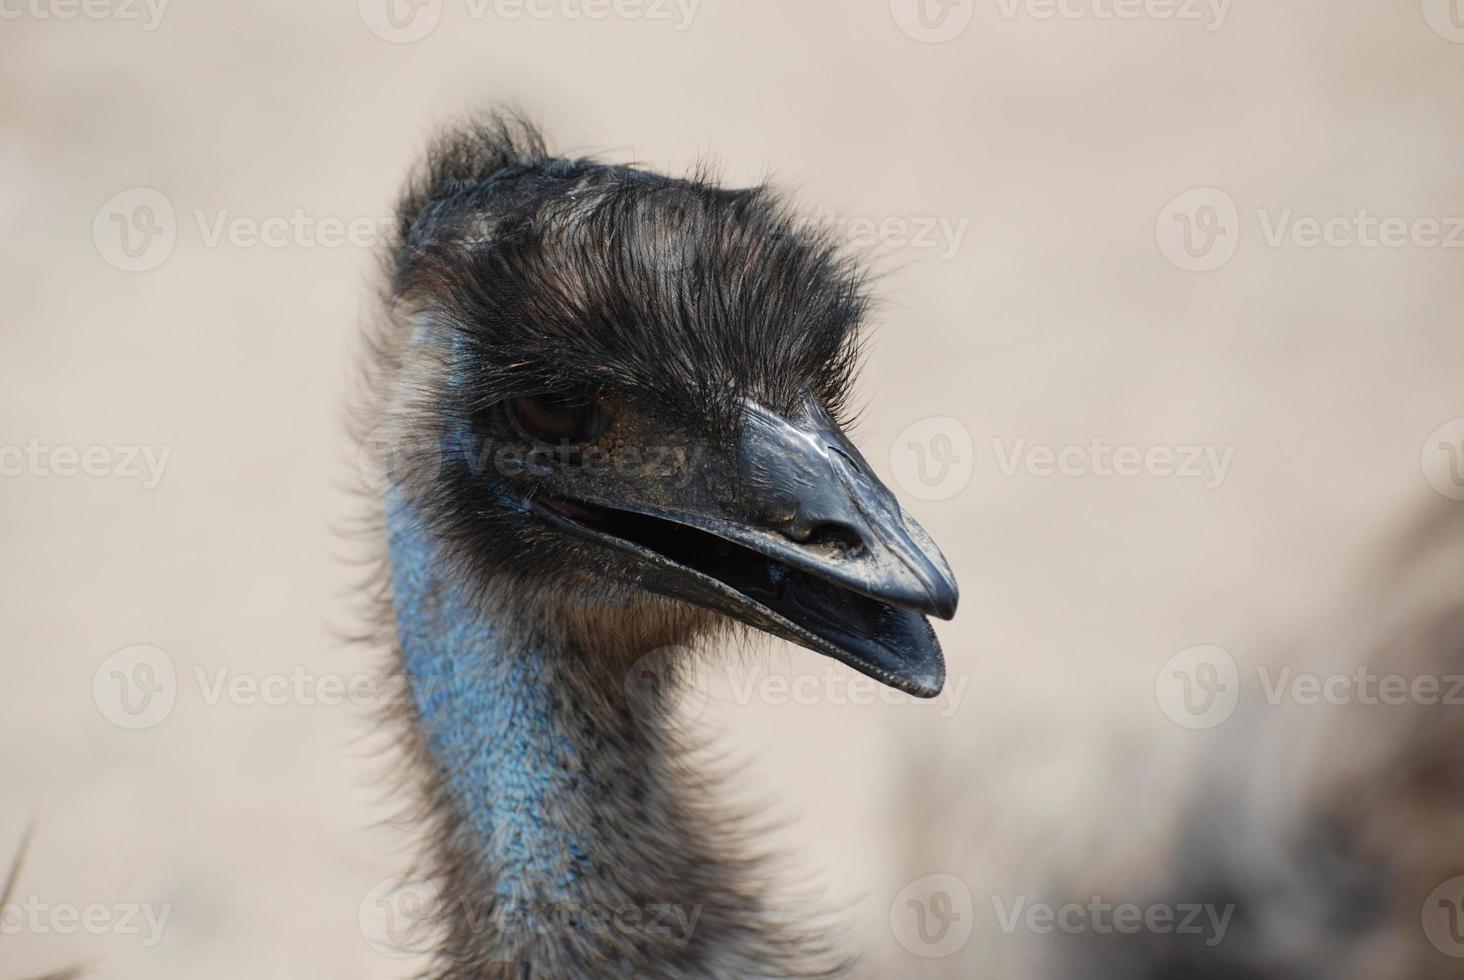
(794,536)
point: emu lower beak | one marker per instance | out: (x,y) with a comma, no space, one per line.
(796,537)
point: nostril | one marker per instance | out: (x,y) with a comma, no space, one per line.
(835,539)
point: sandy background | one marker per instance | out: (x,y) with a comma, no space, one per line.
(1059,315)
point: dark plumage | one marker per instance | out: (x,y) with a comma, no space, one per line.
(699,343)
(561,272)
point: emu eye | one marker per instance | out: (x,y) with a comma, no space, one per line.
(572,416)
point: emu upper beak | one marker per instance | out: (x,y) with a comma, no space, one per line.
(794,536)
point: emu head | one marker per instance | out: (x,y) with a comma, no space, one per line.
(617,400)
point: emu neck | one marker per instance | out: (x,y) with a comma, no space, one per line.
(493,724)
(570,840)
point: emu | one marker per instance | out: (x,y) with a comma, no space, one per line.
(610,407)
(1331,831)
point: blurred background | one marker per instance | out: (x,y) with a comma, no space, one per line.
(1168,361)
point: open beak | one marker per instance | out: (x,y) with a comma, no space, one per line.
(794,536)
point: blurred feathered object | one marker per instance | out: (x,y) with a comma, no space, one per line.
(1328,814)
(11,877)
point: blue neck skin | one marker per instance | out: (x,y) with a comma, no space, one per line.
(484,696)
